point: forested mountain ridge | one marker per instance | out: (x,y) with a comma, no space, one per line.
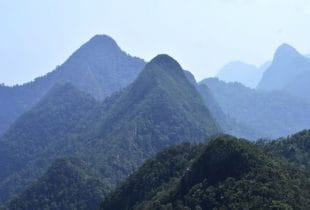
(36,132)
(160,108)
(225,173)
(99,67)
(271,114)
(67,184)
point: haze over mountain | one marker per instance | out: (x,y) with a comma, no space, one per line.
(288,66)
(99,68)
(271,114)
(247,74)
(160,108)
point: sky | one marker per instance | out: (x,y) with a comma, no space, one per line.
(202,35)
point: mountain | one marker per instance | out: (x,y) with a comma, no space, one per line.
(287,66)
(40,132)
(300,86)
(295,148)
(160,108)
(226,173)
(237,71)
(270,114)
(99,68)
(228,125)
(67,184)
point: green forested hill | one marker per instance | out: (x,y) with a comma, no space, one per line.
(99,68)
(67,184)
(41,132)
(295,148)
(226,173)
(161,108)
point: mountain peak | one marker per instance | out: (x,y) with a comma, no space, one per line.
(101,42)
(286,66)
(166,63)
(285,51)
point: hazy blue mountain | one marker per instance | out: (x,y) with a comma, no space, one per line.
(300,86)
(68,184)
(248,75)
(270,114)
(228,125)
(226,173)
(287,66)
(99,68)
(160,108)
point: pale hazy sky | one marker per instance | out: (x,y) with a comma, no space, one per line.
(202,35)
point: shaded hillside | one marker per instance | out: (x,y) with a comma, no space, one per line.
(300,86)
(228,125)
(160,108)
(226,173)
(67,184)
(270,114)
(41,132)
(99,68)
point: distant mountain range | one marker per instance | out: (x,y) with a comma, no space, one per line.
(283,73)
(99,68)
(271,114)
(248,75)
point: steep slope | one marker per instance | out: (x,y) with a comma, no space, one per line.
(99,68)
(226,173)
(287,66)
(270,114)
(68,184)
(160,108)
(32,135)
(248,75)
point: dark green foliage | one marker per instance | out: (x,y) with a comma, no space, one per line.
(153,174)
(269,114)
(68,184)
(99,68)
(40,133)
(161,108)
(295,148)
(226,173)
